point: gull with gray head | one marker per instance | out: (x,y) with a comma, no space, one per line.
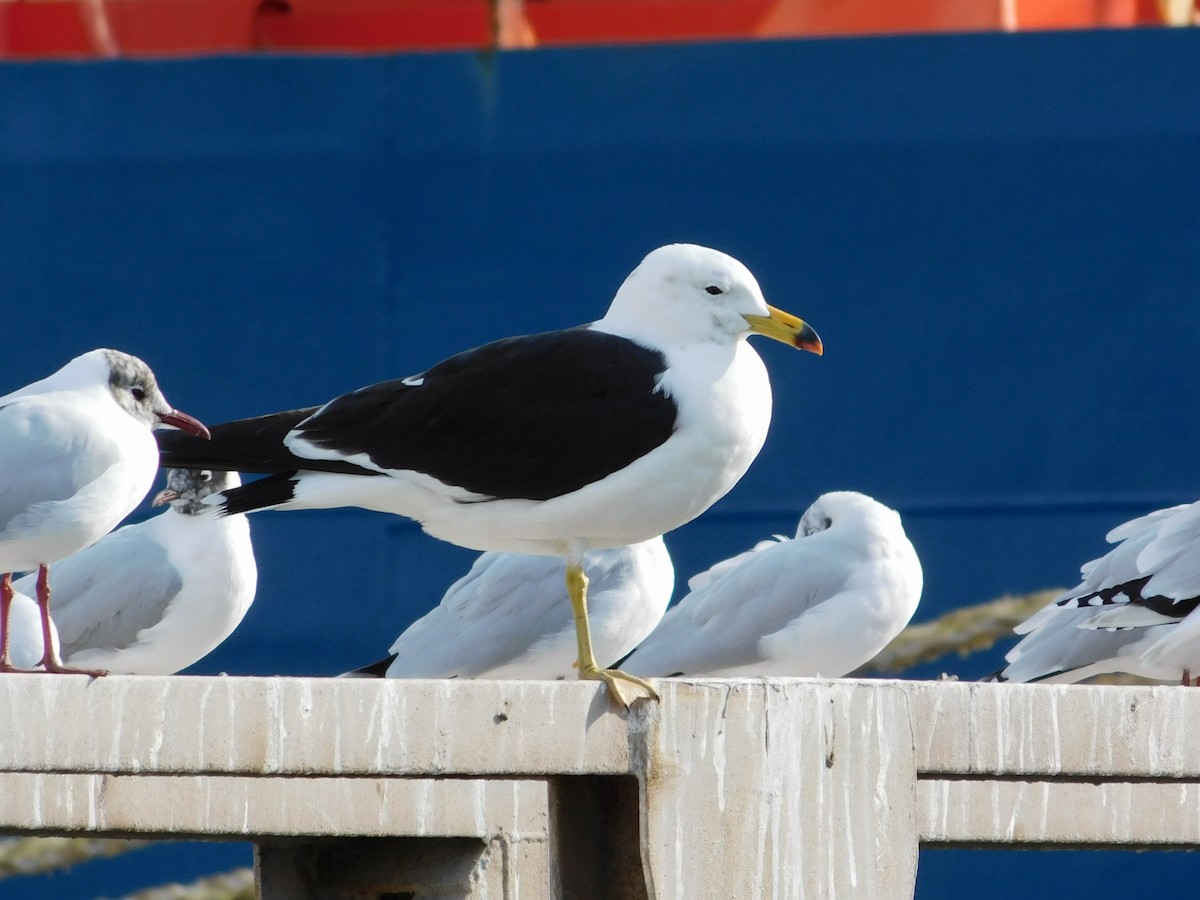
(76,456)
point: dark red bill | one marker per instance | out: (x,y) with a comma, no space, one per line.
(184,422)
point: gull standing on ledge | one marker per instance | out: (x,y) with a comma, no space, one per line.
(1133,612)
(76,456)
(506,618)
(155,597)
(556,443)
(821,604)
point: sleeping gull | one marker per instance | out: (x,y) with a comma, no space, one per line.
(821,604)
(76,456)
(153,598)
(557,443)
(509,617)
(1133,612)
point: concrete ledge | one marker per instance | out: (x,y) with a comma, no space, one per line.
(749,787)
(198,806)
(1035,729)
(1072,813)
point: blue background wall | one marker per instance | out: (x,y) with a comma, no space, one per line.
(998,237)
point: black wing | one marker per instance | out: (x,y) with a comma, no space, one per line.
(246,445)
(527,417)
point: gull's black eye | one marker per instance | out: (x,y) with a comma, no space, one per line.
(714,290)
(206,475)
(139,394)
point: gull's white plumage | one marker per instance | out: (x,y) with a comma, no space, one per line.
(509,616)
(155,597)
(76,456)
(1133,611)
(822,603)
(77,459)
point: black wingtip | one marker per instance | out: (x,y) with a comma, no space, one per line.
(243,445)
(374,670)
(274,490)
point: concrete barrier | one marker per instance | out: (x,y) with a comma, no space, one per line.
(727,788)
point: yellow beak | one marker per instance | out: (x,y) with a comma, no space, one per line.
(785,327)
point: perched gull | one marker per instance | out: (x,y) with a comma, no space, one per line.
(509,618)
(76,456)
(1133,612)
(152,598)
(557,443)
(821,604)
(26,643)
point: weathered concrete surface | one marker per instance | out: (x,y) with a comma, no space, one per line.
(727,788)
(1075,813)
(778,779)
(308,726)
(1034,729)
(201,806)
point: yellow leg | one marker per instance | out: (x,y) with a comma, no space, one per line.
(577,590)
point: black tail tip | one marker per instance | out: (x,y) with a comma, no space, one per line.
(374,670)
(264,493)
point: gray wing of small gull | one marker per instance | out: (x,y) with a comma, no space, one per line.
(41,444)
(102,597)
(1066,644)
(1073,638)
(495,613)
(725,566)
(722,625)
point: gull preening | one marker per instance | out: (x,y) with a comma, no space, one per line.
(820,604)
(76,457)
(155,597)
(558,443)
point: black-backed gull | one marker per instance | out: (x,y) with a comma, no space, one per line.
(598,436)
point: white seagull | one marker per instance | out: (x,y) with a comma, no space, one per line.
(1133,612)
(76,456)
(153,598)
(557,443)
(509,616)
(821,604)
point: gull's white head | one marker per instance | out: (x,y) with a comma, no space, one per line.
(686,294)
(135,389)
(129,384)
(837,508)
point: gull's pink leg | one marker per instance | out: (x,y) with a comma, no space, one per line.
(6,599)
(1187,678)
(50,660)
